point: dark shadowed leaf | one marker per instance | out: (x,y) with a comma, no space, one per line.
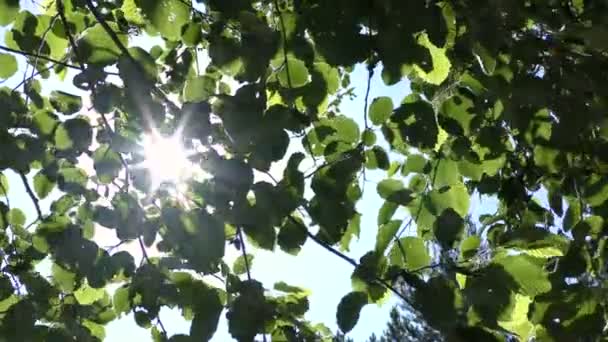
(349,310)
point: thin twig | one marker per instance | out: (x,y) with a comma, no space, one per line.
(35,64)
(48,59)
(370,74)
(29,191)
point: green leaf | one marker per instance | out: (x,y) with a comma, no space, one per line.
(43,185)
(167,16)
(368,137)
(65,103)
(3,185)
(441,63)
(97,330)
(455,197)
(292,236)
(449,227)
(330,76)
(416,254)
(416,123)
(543,252)
(353,229)
(298,73)
(45,122)
(284,287)
(447,173)
(349,310)
(16,217)
(518,321)
(132,13)
(6,288)
(386,212)
(73,134)
(527,271)
(193,34)
(8,12)
(8,63)
(207,315)
(199,89)
(377,158)
(107,163)
(121,300)
(469,246)
(241,264)
(97,47)
(386,233)
(380,109)
(63,278)
(87,295)
(140,74)
(393,190)
(415,163)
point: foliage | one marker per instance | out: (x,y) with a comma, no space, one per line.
(508,101)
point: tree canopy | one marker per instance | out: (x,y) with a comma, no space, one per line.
(508,102)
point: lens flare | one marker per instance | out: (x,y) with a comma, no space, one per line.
(166,159)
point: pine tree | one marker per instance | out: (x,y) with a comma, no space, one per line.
(404,325)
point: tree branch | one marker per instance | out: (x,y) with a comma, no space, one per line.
(29,191)
(48,59)
(339,254)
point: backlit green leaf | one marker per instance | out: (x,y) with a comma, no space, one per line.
(167,16)
(43,185)
(380,109)
(241,265)
(298,73)
(8,63)
(393,190)
(386,233)
(65,103)
(8,11)
(98,48)
(4,185)
(87,295)
(199,89)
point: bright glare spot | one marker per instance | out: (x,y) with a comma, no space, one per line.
(167,160)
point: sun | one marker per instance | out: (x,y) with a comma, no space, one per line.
(166,159)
